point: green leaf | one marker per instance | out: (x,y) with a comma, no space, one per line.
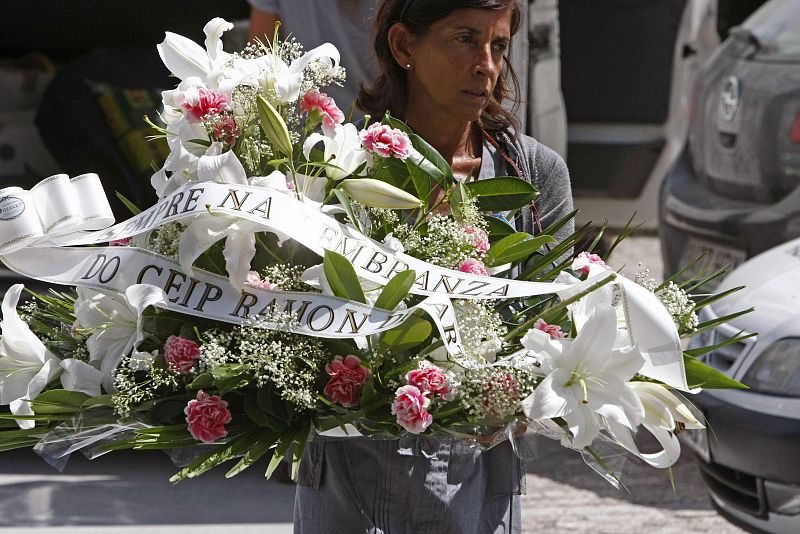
(396,290)
(58,401)
(344,201)
(259,416)
(133,208)
(432,155)
(457,198)
(411,333)
(254,453)
(421,179)
(506,243)
(700,375)
(280,452)
(342,277)
(300,439)
(396,123)
(502,193)
(432,164)
(203,381)
(497,227)
(237,446)
(100,400)
(518,251)
(713,323)
(229,377)
(368,391)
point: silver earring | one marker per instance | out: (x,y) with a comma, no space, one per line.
(408,66)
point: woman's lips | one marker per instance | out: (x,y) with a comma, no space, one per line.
(475,94)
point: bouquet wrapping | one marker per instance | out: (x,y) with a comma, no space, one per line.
(303,277)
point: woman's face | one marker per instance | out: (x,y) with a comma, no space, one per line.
(456,63)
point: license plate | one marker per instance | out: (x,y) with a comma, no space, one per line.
(715,256)
(697,440)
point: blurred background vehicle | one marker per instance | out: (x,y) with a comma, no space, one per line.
(735,189)
(626,69)
(748,454)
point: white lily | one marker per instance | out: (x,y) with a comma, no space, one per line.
(272,74)
(663,412)
(642,321)
(587,378)
(206,229)
(26,366)
(80,376)
(184,156)
(186,59)
(342,149)
(116,323)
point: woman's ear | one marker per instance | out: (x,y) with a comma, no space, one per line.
(401,44)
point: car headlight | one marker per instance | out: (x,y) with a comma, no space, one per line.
(777,369)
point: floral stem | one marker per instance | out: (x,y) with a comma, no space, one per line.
(561,305)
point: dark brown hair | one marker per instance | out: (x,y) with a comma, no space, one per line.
(389,90)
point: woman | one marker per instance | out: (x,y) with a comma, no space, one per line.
(443,66)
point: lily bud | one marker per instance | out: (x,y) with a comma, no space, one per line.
(274,127)
(378,194)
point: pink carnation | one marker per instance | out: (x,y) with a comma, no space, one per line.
(386,141)
(207,103)
(479,239)
(181,353)
(207,415)
(552,330)
(324,105)
(253,279)
(429,380)
(586,262)
(473,266)
(347,379)
(410,408)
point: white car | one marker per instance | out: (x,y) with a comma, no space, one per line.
(749,453)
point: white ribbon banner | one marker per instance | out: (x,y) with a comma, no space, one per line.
(55,207)
(208,295)
(60,207)
(282,214)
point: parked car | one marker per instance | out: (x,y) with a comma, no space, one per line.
(735,190)
(749,451)
(626,68)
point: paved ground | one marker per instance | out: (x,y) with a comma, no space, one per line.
(564,495)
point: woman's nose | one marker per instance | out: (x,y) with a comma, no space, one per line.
(484,62)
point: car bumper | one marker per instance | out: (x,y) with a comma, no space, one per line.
(695,220)
(751,465)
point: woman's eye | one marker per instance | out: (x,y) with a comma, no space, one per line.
(501,47)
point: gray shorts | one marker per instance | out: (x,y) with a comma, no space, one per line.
(414,485)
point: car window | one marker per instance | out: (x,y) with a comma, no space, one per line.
(777,27)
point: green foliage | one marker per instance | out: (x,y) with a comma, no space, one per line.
(396,290)
(515,247)
(502,193)
(412,333)
(700,375)
(342,277)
